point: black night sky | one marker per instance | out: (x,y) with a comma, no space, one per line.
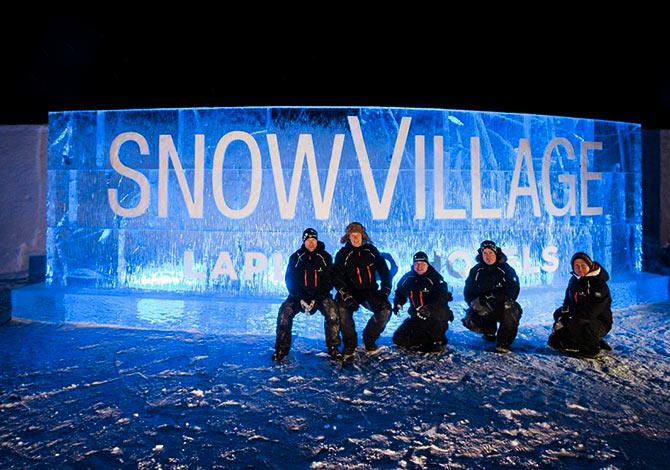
(572,68)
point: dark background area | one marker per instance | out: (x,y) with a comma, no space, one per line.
(573,66)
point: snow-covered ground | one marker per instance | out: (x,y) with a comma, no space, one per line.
(79,396)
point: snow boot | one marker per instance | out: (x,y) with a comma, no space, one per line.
(554,343)
(348,355)
(279,355)
(435,347)
(502,349)
(334,354)
(602,344)
(371,347)
(587,353)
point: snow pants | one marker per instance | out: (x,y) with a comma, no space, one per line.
(421,335)
(582,335)
(291,307)
(378,304)
(507,318)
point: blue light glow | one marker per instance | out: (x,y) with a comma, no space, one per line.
(215,199)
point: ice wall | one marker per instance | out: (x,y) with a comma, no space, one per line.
(23,176)
(215,199)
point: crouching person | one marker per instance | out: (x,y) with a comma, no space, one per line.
(586,314)
(491,290)
(309,282)
(429,312)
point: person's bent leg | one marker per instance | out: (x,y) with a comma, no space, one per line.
(509,324)
(473,321)
(381,309)
(438,323)
(564,339)
(489,325)
(407,336)
(587,336)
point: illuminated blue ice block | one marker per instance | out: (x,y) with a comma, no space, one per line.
(215,199)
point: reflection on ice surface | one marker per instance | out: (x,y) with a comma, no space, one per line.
(247,315)
(160,311)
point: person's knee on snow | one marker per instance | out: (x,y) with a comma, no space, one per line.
(509,324)
(428,296)
(586,315)
(491,290)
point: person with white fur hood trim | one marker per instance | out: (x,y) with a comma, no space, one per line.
(586,314)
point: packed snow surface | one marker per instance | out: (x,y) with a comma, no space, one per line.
(76,396)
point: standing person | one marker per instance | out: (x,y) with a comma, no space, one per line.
(491,290)
(355,276)
(309,283)
(429,311)
(586,314)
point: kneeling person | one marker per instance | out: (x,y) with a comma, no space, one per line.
(491,290)
(429,311)
(586,314)
(309,282)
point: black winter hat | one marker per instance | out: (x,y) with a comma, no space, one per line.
(420,256)
(491,245)
(310,233)
(584,257)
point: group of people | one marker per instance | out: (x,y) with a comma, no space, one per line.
(361,277)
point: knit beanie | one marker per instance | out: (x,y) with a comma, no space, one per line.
(310,233)
(584,257)
(420,256)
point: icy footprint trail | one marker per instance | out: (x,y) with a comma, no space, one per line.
(75,396)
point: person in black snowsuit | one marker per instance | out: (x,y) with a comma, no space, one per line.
(586,314)
(429,312)
(491,290)
(309,283)
(357,265)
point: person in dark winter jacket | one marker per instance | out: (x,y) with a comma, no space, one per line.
(309,283)
(357,265)
(429,312)
(586,314)
(491,290)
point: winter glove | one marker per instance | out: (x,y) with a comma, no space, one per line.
(561,312)
(348,300)
(397,308)
(422,312)
(450,315)
(479,308)
(449,296)
(308,307)
(488,301)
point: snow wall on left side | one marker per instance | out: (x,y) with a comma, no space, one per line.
(23,176)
